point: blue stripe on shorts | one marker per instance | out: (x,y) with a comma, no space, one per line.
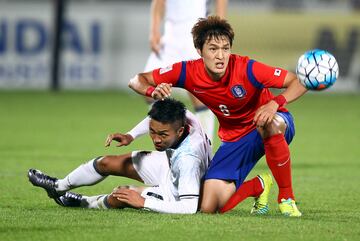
(233,161)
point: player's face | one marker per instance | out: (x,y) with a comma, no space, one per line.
(216,53)
(164,135)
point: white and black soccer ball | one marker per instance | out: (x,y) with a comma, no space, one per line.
(317,69)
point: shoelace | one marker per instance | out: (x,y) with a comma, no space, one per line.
(258,205)
(73,195)
(45,179)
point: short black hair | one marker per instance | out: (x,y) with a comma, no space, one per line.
(211,27)
(168,111)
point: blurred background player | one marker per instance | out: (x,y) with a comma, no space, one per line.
(178,17)
(174,171)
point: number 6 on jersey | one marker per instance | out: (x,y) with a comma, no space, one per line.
(224,110)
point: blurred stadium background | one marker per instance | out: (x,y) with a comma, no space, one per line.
(105,42)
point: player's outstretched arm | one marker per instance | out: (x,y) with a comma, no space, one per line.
(265,114)
(144,84)
(294,89)
(141,82)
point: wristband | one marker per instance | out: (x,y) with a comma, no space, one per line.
(149,91)
(280,100)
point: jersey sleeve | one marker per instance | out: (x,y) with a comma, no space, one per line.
(188,189)
(183,206)
(171,74)
(141,128)
(265,76)
(190,177)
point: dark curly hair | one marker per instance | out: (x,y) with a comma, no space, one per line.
(211,27)
(168,111)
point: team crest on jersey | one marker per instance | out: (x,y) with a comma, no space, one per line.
(238,91)
(166,69)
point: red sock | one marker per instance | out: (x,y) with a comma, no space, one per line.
(278,159)
(251,188)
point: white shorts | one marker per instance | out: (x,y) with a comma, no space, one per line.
(153,168)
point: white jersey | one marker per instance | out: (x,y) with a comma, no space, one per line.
(177,43)
(189,161)
(177,173)
(177,11)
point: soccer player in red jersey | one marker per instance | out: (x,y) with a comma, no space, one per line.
(252,121)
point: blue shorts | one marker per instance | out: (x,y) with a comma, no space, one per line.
(233,161)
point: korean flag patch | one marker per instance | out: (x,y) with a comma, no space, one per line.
(238,91)
(277,72)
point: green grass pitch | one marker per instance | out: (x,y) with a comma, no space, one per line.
(56,132)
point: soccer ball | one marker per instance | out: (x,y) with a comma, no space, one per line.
(317,69)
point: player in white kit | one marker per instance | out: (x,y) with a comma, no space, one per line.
(176,43)
(172,173)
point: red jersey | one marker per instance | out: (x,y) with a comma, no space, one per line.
(235,98)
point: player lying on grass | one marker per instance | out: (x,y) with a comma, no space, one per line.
(173,172)
(252,122)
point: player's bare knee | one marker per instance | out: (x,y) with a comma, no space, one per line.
(102,165)
(226,192)
(113,202)
(208,206)
(213,190)
(276,126)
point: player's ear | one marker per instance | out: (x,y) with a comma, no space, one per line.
(199,52)
(180,131)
